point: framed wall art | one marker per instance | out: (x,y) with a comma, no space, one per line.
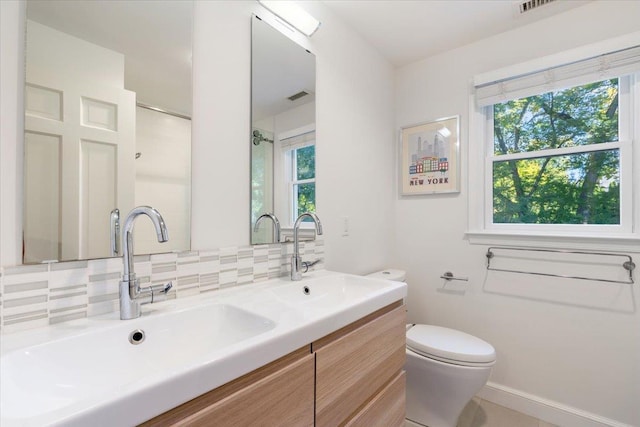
(430,157)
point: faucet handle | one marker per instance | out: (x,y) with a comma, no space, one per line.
(167,287)
(159,292)
(308,264)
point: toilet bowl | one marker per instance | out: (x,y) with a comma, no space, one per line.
(445,369)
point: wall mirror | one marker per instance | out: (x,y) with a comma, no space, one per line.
(283,76)
(107,125)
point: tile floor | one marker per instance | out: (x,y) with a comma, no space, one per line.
(482,413)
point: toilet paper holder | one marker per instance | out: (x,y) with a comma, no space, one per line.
(448,276)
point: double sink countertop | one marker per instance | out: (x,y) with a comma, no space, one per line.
(103,371)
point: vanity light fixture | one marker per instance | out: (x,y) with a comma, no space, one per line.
(293,15)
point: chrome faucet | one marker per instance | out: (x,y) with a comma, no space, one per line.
(276,224)
(115,232)
(132,296)
(296,260)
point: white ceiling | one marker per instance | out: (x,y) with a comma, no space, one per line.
(279,68)
(405,31)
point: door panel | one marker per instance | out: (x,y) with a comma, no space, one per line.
(95,127)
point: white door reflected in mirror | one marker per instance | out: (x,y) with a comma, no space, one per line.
(107,124)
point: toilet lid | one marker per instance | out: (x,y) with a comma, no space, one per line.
(449,345)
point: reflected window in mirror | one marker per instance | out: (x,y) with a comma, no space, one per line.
(282,137)
(300,160)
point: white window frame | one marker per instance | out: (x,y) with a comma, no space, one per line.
(482,230)
(290,169)
(285,142)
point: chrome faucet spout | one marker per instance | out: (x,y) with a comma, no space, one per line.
(131,294)
(127,250)
(296,260)
(276,224)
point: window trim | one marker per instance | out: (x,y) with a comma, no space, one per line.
(284,141)
(290,162)
(287,161)
(626,236)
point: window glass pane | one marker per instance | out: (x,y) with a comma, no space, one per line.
(580,115)
(306,161)
(575,189)
(305,195)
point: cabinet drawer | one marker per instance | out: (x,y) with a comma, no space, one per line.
(386,409)
(353,367)
(282,397)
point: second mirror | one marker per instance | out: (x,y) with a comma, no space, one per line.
(282,138)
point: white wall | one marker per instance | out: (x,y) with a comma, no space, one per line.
(163,178)
(572,345)
(53,52)
(356,180)
(354,107)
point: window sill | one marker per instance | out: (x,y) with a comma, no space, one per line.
(555,240)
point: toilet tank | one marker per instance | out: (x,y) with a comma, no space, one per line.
(389,274)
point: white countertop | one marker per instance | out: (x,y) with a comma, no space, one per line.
(37,391)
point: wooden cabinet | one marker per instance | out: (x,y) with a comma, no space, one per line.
(356,363)
(386,409)
(278,394)
(351,377)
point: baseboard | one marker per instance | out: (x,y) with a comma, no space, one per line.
(544,409)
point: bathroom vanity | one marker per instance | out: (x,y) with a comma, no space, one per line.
(326,350)
(351,377)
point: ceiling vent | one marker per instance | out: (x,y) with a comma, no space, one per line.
(529,5)
(298,95)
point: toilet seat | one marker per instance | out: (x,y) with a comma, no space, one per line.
(450,346)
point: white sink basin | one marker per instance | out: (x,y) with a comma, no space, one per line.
(86,371)
(329,291)
(45,378)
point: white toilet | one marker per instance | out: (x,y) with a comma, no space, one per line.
(445,369)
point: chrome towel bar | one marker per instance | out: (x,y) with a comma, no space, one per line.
(628,265)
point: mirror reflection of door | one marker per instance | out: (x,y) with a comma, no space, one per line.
(282,130)
(107,124)
(79,146)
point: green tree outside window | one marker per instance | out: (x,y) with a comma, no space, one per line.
(580,188)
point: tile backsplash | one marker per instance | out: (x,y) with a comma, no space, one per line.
(33,296)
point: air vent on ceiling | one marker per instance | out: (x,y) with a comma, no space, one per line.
(529,5)
(298,95)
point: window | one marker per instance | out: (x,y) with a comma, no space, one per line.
(297,166)
(302,182)
(556,157)
(558,150)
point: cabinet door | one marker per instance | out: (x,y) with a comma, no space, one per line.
(351,369)
(386,409)
(281,398)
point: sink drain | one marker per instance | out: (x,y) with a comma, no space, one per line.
(136,337)
(306,290)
